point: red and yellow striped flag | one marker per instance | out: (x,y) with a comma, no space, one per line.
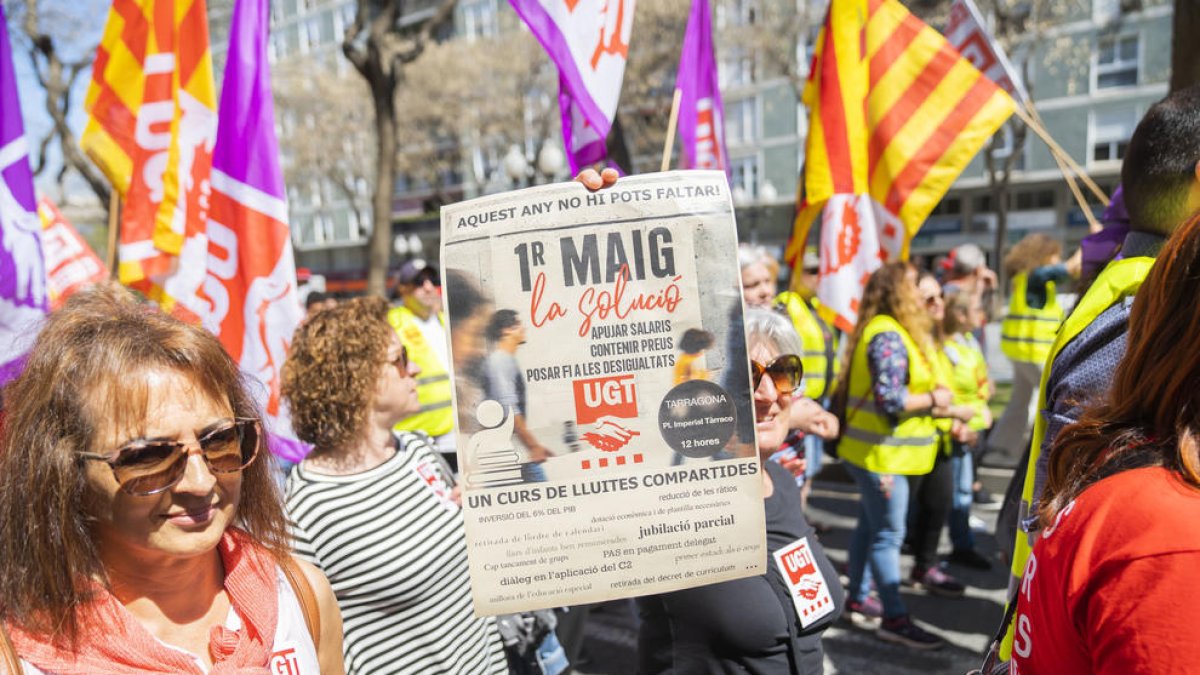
(151,129)
(896,114)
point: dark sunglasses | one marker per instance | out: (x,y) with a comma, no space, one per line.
(149,467)
(785,370)
(401,360)
(934,299)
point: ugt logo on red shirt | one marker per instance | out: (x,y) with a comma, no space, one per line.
(614,396)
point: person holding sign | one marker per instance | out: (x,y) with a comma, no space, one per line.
(770,623)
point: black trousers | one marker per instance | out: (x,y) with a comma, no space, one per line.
(929,499)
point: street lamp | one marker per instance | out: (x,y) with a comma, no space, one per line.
(550,161)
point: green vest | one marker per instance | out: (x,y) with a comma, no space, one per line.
(1119,280)
(819,343)
(871,438)
(436,417)
(968,376)
(1028,333)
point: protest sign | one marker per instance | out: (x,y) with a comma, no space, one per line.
(602,331)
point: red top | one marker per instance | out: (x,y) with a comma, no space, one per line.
(1114,585)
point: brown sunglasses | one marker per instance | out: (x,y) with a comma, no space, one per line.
(785,370)
(150,467)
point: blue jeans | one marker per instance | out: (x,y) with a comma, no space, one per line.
(960,508)
(876,540)
(814,449)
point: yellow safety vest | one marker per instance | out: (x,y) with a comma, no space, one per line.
(435,417)
(1119,280)
(968,377)
(1027,333)
(819,342)
(943,373)
(904,443)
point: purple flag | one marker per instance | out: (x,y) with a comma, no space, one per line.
(701,115)
(23,302)
(251,271)
(588,40)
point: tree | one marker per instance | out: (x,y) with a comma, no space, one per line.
(325,128)
(60,42)
(382,40)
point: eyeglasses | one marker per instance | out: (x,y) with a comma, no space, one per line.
(401,360)
(786,371)
(150,467)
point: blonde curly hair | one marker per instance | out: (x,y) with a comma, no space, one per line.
(332,368)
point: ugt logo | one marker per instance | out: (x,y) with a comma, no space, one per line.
(598,397)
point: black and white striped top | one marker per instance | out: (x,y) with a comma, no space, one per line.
(393,547)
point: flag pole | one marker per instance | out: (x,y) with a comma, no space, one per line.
(114,226)
(1060,155)
(669,144)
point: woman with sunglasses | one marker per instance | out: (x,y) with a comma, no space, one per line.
(375,509)
(931,494)
(889,394)
(749,625)
(140,529)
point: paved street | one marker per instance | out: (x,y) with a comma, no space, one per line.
(966,624)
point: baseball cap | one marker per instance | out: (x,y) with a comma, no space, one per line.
(415,271)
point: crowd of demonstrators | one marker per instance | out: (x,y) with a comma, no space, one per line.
(965,271)
(421,324)
(1110,586)
(1160,179)
(404,589)
(141,530)
(749,625)
(1035,268)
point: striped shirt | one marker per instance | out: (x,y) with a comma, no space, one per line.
(394,549)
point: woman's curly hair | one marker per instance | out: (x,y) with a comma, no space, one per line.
(332,368)
(1031,253)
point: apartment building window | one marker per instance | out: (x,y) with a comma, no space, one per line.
(1116,61)
(743,12)
(479,18)
(1034,200)
(741,121)
(1110,132)
(737,68)
(745,175)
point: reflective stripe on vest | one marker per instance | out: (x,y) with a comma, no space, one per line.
(819,345)
(435,416)
(901,444)
(1027,333)
(1119,280)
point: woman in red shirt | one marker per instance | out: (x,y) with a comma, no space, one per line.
(1111,586)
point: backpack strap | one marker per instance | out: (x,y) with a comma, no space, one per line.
(8,654)
(306,596)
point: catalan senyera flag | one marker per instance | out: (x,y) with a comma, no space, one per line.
(251,269)
(151,129)
(896,113)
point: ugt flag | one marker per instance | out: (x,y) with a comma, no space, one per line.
(895,115)
(589,41)
(22,270)
(151,127)
(965,30)
(701,115)
(71,264)
(251,272)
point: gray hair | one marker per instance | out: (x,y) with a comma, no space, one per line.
(773,327)
(749,254)
(968,258)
